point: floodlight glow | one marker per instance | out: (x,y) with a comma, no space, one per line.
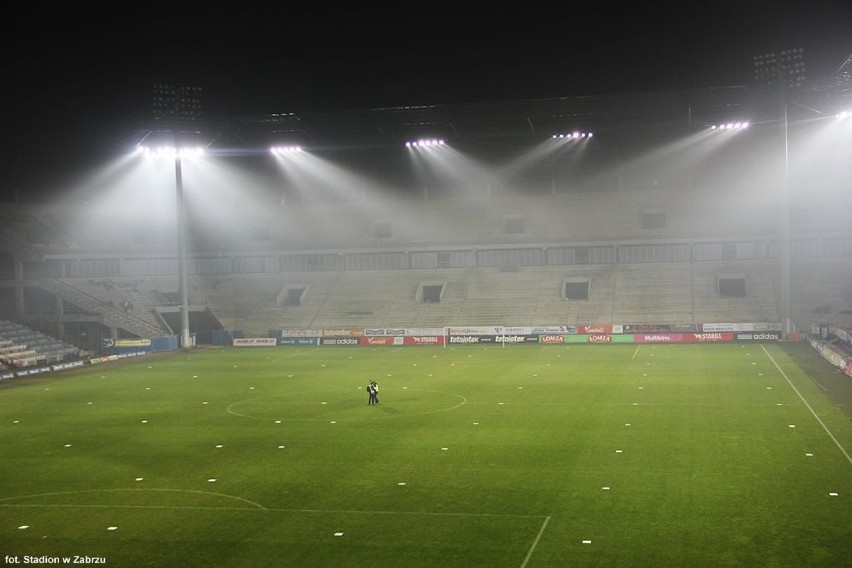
(574,135)
(425,142)
(275,150)
(739,125)
(170,152)
(844,114)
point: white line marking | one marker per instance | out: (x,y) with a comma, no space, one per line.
(535,542)
(821,423)
(635,352)
(257,507)
(57,493)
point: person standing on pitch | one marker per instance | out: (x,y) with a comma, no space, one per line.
(375,391)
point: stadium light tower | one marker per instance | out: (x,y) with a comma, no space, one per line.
(180,107)
(784,72)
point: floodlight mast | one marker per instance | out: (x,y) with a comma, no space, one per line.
(179,104)
(785,72)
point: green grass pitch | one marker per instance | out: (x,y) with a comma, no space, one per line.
(523,456)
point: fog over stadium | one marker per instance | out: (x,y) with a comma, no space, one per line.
(399,290)
(560,159)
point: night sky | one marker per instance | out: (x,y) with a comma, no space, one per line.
(76,81)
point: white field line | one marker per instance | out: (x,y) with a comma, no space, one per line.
(275,510)
(821,423)
(535,542)
(636,352)
(252,504)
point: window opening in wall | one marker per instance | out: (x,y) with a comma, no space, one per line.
(732,286)
(576,290)
(382,230)
(515,226)
(294,296)
(259,233)
(432,293)
(654,220)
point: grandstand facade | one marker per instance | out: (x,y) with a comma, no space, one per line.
(654,220)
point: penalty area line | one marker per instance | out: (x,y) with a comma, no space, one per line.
(535,542)
(821,423)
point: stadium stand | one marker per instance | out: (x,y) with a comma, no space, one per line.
(639,235)
(21,346)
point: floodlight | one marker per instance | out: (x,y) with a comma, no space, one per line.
(572,136)
(425,142)
(170,152)
(737,125)
(844,114)
(277,150)
(785,70)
